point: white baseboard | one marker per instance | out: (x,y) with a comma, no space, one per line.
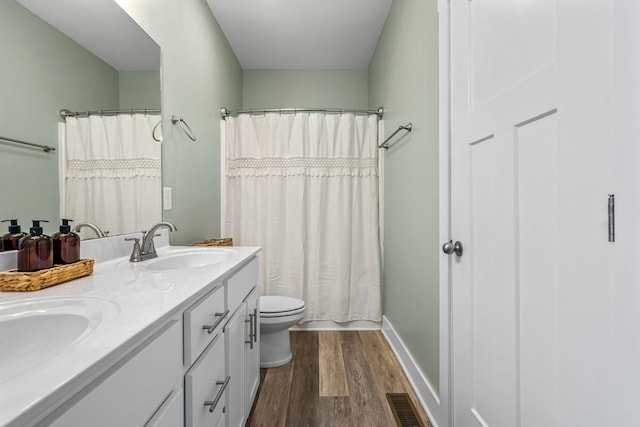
(330,325)
(426,393)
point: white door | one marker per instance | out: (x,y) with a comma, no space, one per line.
(532,292)
(627,191)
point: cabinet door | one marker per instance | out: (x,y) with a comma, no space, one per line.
(132,393)
(252,349)
(234,334)
(171,414)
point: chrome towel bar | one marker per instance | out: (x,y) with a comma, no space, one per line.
(408,127)
(44,148)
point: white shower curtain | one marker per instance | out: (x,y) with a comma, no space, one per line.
(305,188)
(112,171)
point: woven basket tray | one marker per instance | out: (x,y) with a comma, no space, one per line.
(14,280)
(227,241)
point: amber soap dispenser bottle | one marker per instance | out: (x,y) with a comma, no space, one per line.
(66,244)
(9,241)
(35,251)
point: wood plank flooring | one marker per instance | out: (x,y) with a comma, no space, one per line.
(336,379)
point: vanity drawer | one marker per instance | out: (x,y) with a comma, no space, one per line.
(206,387)
(240,284)
(202,322)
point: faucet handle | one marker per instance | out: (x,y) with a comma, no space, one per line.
(135,253)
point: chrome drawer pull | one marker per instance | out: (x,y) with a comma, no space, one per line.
(213,403)
(211,328)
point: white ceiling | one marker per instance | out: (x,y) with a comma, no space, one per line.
(264,34)
(302,34)
(103,28)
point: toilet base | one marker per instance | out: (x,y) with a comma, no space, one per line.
(277,363)
(275,349)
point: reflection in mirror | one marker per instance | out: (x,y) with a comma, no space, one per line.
(44,71)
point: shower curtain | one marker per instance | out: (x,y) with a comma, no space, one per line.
(304,187)
(112,171)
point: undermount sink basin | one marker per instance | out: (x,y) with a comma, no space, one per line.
(188,259)
(33,332)
(179,258)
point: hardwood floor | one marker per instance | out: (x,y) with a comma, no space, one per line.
(336,379)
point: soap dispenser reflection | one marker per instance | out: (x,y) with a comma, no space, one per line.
(9,241)
(66,244)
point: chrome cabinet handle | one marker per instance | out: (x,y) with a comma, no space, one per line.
(255,325)
(211,328)
(213,403)
(251,331)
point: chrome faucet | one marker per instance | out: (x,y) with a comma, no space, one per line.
(146,249)
(94,227)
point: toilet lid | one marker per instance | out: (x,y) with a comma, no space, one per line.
(276,305)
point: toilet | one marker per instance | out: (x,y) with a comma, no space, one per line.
(277,315)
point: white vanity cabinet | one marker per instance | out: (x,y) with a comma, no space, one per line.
(222,381)
(140,390)
(242,339)
(195,363)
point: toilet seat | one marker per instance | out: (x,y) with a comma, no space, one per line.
(279,306)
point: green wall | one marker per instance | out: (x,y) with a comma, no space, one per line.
(42,71)
(403,77)
(200,74)
(304,89)
(139,89)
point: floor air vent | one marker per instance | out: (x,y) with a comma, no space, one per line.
(403,410)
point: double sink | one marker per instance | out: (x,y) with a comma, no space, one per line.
(34,331)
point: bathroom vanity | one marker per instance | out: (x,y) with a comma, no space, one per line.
(170,341)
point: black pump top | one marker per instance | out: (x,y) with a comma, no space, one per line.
(36,230)
(14,228)
(65,228)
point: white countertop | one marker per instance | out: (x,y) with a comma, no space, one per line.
(133,301)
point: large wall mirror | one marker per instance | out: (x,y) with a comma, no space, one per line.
(76,55)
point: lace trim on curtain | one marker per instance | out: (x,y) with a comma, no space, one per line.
(309,166)
(116,168)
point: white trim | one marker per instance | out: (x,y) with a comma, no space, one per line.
(429,398)
(62,168)
(330,325)
(223,175)
(445,410)
(381,152)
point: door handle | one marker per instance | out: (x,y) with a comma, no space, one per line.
(450,247)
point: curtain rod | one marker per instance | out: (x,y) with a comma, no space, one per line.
(64,113)
(44,148)
(226,113)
